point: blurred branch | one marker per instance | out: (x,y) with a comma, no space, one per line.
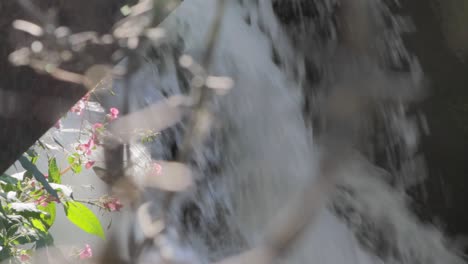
(201,94)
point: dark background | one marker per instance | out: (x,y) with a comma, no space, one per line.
(440,43)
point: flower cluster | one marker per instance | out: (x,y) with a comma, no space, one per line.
(44,200)
(157,168)
(86,252)
(79,107)
(87,148)
(114,113)
(32,197)
(112,204)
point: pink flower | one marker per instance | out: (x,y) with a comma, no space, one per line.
(114,113)
(90,164)
(97,126)
(88,147)
(113,204)
(24,257)
(78,107)
(86,97)
(96,131)
(86,253)
(58,124)
(157,168)
(44,200)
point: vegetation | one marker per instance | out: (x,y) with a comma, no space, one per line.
(30,198)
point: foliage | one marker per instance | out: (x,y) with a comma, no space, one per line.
(54,50)
(84,218)
(29,199)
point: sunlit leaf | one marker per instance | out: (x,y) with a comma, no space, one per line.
(76,168)
(54,171)
(71,160)
(49,217)
(33,155)
(38,224)
(84,218)
(37,175)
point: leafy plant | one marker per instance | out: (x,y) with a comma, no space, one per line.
(29,199)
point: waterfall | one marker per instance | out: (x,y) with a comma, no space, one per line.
(262,149)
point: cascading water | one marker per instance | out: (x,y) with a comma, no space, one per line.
(261,149)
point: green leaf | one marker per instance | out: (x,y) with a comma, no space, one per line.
(27,165)
(38,224)
(44,219)
(2,211)
(13,229)
(49,217)
(71,160)
(76,168)
(84,218)
(27,237)
(54,171)
(34,160)
(7,179)
(36,193)
(45,240)
(33,155)
(5,253)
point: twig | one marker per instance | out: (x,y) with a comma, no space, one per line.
(91,202)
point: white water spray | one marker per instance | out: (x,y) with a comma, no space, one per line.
(266,152)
